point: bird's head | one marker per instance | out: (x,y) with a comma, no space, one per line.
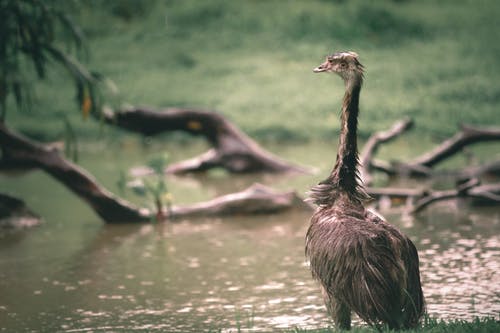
(345,64)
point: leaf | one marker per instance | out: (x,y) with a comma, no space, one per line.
(86,103)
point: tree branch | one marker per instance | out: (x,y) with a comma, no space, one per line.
(421,198)
(371,146)
(466,136)
(232,149)
(422,165)
(20,151)
(15,214)
(257,199)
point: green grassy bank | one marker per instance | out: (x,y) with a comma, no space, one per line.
(484,325)
(476,326)
(438,62)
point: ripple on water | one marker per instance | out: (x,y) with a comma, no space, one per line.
(462,280)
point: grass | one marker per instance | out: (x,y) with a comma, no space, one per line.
(252,61)
(485,325)
(478,325)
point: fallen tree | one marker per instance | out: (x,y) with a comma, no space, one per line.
(19,152)
(467,179)
(45,28)
(423,165)
(417,200)
(231,149)
(15,214)
(371,146)
(466,136)
(256,199)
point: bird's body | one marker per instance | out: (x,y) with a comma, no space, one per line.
(364,264)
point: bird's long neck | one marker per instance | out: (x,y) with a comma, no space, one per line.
(344,174)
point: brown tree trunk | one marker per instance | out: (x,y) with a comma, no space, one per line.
(20,152)
(257,199)
(232,149)
(15,214)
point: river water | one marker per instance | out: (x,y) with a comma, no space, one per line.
(75,274)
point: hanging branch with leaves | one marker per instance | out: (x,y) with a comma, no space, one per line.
(31,31)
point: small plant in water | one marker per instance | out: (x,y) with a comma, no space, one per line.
(153,187)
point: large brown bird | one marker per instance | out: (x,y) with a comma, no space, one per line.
(364,264)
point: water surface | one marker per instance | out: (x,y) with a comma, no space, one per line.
(76,274)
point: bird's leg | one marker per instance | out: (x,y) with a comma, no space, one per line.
(342,315)
(340,312)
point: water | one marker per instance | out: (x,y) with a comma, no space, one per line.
(75,274)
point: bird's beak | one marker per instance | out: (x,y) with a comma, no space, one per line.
(324,67)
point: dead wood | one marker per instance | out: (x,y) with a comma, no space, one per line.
(489,193)
(487,169)
(422,166)
(395,193)
(232,149)
(419,199)
(18,151)
(15,214)
(371,146)
(466,136)
(257,199)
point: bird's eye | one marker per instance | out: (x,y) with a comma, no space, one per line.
(343,64)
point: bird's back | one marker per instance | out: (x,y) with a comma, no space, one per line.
(365,262)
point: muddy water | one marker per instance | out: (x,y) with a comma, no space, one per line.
(75,274)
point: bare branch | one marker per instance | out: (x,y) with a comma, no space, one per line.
(257,199)
(233,149)
(373,143)
(466,136)
(18,150)
(471,188)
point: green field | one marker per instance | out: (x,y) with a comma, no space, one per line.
(437,62)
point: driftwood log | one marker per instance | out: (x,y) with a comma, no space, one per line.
(20,152)
(231,149)
(371,146)
(466,136)
(15,214)
(257,199)
(418,199)
(487,194)
(423,165)
(468,183)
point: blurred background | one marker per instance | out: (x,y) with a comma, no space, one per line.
(251,61)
